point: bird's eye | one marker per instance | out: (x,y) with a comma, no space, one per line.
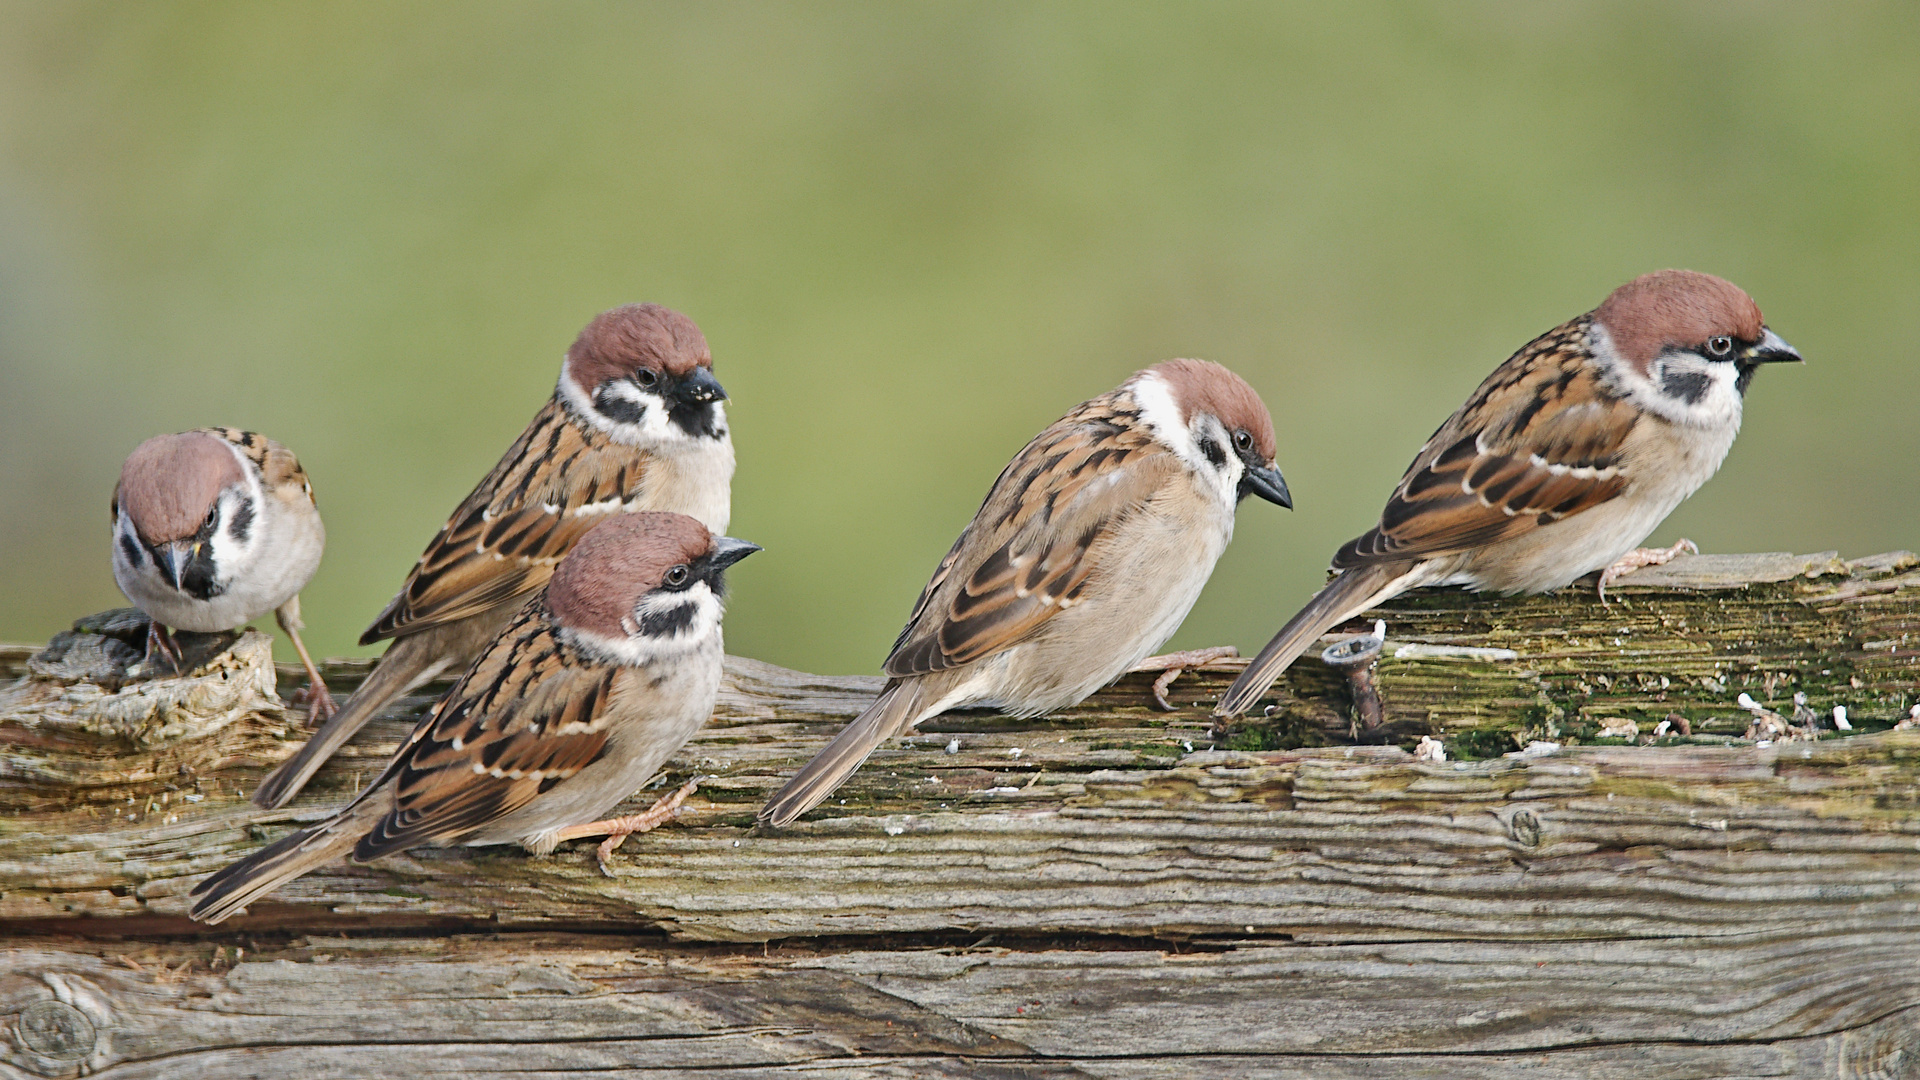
(678,576)
(1242,440)
(213,516)
(646,378)
(1720,346)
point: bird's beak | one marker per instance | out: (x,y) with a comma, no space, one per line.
(727,551)
(1266,482)
(699,388)
(1771,350)
(173,557)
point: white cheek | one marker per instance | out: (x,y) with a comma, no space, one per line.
(655,426)
(231,553)
(640,646)
(1162,415)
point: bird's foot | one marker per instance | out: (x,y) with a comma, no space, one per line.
(161,644)
(319,702)
(1170,665)
(616,830)
(1639,557)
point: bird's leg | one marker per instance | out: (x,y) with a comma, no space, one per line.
(318,701)
(616,830)
(1639,557)
(160,643)
(1171,665)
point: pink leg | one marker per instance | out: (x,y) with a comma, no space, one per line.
(161,643)
(616,830)
(1639,557)
(318,701)
(1170,665)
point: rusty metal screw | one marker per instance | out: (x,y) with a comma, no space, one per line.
(1356,657)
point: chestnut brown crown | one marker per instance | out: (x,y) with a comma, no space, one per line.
(1201,386)
(619,561)
(1676,309)
(622,341)
(170,482)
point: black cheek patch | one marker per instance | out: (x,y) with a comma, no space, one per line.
(1213,452)
(135,557)
(1688,386)
(669,622)
(242,523)
(618,409)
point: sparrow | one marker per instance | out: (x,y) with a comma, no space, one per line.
(214,527)
(600,677)
(1560,464)
(636,422)
(1087,553)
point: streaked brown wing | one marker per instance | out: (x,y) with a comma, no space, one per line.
(1036,539)
(506,537)
(528,715)
(1539,441)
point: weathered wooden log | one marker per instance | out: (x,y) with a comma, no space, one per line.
(1106,892)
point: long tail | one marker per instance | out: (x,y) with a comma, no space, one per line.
(895,710)
(226,892)
(410,662)
(1353,592)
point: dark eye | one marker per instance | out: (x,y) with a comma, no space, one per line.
(1720,346)
(1242,440)
(646,378)
(213,516)
(678,576)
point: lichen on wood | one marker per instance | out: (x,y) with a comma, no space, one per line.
(987,891)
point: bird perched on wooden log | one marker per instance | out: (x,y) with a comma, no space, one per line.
(601,676)
(1560,464)
(1087,553)
(214,527)
(636,422)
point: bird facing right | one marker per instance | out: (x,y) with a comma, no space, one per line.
(1564,459)
(1087,553)
(605,672)
(636,422)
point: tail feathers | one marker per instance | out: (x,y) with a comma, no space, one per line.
(407,664)
(1354,591)
(224,893)
(891,713)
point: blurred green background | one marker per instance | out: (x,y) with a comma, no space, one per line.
(915,235)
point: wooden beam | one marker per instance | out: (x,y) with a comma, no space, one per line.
(1104,892)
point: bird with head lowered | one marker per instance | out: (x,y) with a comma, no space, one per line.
(1086,555)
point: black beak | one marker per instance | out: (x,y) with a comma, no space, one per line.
(699,388)
(171,560)
(727,551)
(1771,350)
(1266,482)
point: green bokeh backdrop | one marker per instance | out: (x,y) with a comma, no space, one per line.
(914,236)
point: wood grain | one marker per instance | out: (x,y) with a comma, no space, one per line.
(1105,892)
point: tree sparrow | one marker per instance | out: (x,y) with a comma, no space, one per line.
(1088,552)
(1568,455)
(588,690)
(635,423)
(214,527)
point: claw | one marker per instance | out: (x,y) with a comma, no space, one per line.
(1171,665)
(160,643)
(1639,557)
(616,830)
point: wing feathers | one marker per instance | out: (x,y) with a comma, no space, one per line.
(1539,441)
(505,538)
(1039,549)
